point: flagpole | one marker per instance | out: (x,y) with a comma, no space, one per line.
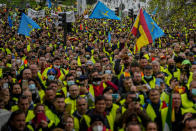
(65,31)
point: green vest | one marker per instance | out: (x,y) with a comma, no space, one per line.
(175,74)
(151,113)
(51,116)
(164,97)
(91,90)
(87,120)
(190,79)
(72,102)
(76,124)
(112,116)
(188,110)
(186,103)
(150,83)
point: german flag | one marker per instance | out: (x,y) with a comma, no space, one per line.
(145,29)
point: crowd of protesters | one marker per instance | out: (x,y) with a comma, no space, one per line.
(92,84)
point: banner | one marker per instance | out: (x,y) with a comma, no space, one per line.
(36,14)
(70,16)
(81,6)
(53,15)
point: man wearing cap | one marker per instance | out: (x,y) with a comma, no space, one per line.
(57,66)
(186,75)
(84,92)
(52,74)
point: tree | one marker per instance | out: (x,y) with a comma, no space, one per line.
(175,12)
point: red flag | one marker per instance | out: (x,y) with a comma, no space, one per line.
(81,27)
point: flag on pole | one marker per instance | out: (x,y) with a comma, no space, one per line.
(170,115)
(145,29)
(10,21)
(27,25)
(109,37)
(103,12)
(49,3)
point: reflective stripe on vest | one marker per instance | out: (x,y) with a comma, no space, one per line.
(151,83)
(112,116)
(87,120)
(91,90)
(175,74)
(72,102)
(151,113)
(53,117)
(76,124)
(186,103)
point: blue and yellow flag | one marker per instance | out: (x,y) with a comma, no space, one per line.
(145,29)
(103,12)
(27,25)
(155,30)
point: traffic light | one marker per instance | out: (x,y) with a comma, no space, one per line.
(62,19)
(130,13)
(117,11)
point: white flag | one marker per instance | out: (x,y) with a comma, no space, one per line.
(36,14)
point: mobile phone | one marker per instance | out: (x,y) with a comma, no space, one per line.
(68,107)
(25,84)
(115,96)
(41,116)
